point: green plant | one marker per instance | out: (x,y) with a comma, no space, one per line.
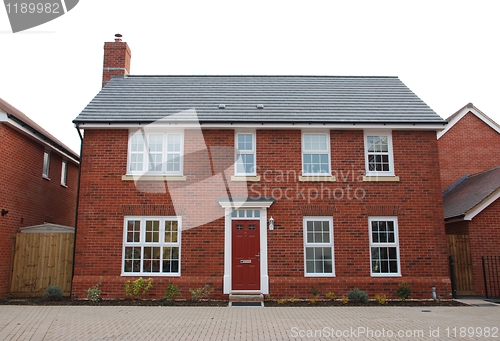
(293,299)
(94,293)
(282,301)
(53,293)
(269,298)
(198,293)
(138,288)
(171,292)
(314,291)
(403,291)
(345,299)
(381,299)
(331,296)
(357,296)
(313,300)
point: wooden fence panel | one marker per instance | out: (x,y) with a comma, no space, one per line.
(459,248)
(40,260)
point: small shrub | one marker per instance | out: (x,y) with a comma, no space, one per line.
(282,301)
(345,299)
(198,293)
(171,292)
(138,288)
(314,291)
(331,296)
(269,298)
(403,291)
(381,299)
(53,293)
(293,299)
(357,296)
(313,300)
(94,293)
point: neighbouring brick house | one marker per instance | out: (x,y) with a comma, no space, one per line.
(469,153)
(38,183)
(258,184)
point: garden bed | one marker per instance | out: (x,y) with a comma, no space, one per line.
(66,301)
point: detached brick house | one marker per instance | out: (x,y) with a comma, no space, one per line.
(470,176)
(38,183)
(258,184)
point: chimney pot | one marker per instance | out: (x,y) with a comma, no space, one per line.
(118,37)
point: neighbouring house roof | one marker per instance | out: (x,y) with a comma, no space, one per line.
(471,194)
(36,130)
(259,99)
(456,117)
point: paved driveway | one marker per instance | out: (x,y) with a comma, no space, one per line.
(248,323)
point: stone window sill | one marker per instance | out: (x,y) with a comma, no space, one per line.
(154,178)
(317,178)
(245,178)
(380,178)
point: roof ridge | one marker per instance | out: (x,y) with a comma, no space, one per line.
(280,76)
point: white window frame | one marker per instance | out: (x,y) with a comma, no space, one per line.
(394,244)
(327,152)
(253,152)
(164,153)
(388,134)
(142,243)
(64,173)
(46,164)
(323,245)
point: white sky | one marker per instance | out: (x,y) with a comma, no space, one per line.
(447,52)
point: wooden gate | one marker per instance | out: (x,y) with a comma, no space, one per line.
(40,260)
(459,248)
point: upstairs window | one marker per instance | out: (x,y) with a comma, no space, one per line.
(46,164)
(156,153)
(245,154)
(378,154)
(315,154)
(64,173)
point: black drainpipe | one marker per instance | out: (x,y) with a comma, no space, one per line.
(77,202)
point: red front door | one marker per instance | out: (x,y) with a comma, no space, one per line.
(246,255)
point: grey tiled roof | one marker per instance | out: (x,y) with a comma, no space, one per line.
(469,193)
(298,99)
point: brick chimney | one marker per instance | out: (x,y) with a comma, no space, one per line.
(116,59)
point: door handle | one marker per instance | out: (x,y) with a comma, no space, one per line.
(258,256)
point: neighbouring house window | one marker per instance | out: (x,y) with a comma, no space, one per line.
(151,246)
(315,154)
(64,173)
(378,154)
(46,164)
(156,153)
(245,154)
(384,246)
(318,246)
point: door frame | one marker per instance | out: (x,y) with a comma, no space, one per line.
(229,205)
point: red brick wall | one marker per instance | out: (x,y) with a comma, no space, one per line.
(416,200)
(469,147)
(484,235)
(30,199)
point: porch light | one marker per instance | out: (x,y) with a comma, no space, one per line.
(271,224)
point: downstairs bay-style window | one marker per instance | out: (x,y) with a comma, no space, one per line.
(318,247)
(151,246)
(384,246)
(155,153)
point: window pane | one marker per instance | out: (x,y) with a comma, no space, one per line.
(133,231)
(174,142)
(152,231)
(155,142)
(132,259)
(256,214)
(151,259)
